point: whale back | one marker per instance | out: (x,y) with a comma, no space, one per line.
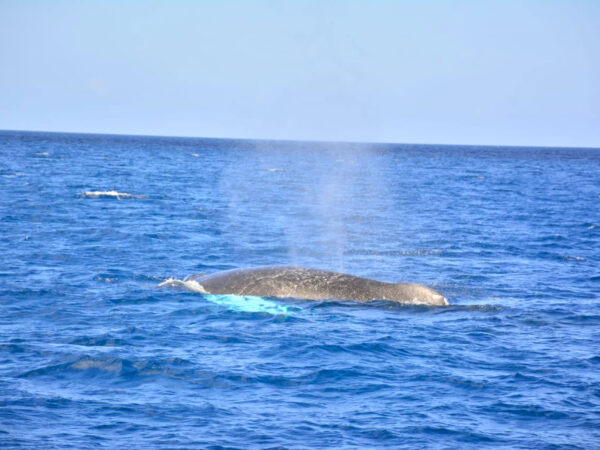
(313,284)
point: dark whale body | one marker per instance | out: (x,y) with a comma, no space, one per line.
(313,284)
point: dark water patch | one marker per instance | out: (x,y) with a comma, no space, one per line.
(90,367)
(135,300)
(100,341)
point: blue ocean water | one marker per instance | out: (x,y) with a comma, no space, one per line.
(94,353)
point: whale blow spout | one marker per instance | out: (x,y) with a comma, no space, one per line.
(314,284)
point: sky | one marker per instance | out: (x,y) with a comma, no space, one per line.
(497,72)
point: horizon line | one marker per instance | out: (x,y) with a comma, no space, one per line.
(313,141)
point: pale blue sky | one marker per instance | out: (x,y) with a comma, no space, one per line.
(455,72)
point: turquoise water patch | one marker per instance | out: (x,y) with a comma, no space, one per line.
(248,303)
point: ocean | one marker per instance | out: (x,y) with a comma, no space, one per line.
(94,353)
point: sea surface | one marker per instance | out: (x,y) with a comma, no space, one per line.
(94,353)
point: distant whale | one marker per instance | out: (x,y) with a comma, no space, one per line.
(313,284)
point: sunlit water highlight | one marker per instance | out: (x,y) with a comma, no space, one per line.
(93,352)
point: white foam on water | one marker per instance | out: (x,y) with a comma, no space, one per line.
(243,303)
(113,194)
(572,258)
(190,285)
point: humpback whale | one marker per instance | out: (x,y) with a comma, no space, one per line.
(313,284)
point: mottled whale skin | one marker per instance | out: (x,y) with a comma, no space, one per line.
(313,284)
